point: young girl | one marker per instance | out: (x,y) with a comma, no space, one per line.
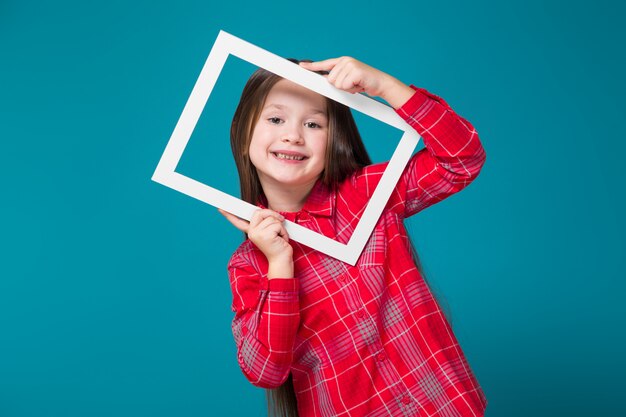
(342,340)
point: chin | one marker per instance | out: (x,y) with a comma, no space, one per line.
(294,182)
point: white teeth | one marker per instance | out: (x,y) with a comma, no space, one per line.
(291,157)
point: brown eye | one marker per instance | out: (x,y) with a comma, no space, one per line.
(274,120)
(312,125)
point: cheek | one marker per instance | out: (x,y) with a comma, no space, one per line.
(323,145)
(320,151)
(257,144)
(254,153)
(254,156)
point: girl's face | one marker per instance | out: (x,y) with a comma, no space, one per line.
(288,144)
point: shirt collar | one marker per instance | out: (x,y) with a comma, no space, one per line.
(320,202)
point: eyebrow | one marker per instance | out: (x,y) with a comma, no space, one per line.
(281,107)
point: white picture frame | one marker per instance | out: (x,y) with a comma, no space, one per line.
(227,44)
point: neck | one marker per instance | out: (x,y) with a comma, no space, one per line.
(286,198)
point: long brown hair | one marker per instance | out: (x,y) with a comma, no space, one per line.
(345,154)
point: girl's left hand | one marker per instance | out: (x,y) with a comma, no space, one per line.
(354,76)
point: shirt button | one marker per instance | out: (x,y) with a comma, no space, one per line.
(381,357)
(342,278)
(360,314)
(406,400)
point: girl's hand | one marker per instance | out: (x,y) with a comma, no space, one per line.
(354,76)
(267,232)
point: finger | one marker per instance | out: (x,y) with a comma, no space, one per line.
(355,89)
(346,81)
(268,233)
(339,70)
(272,229)
(348,75)
(325,65)
(265,213)
(236,221)
(267,223)
(353,85)
(240,224)
(343,80)
(262,214)
(278,229)
(271,225)
(336,71)
(283,233)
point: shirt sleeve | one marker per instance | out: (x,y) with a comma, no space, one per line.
(267,315)
(452,158)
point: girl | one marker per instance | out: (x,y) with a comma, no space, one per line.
(338,340)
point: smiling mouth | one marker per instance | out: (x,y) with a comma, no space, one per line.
(289,157)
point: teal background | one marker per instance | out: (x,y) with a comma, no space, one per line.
(114,299)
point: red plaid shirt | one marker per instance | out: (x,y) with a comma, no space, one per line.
(368,340)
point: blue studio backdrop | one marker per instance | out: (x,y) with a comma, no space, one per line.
(114,297)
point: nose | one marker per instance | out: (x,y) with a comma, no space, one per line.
(292,135)
(296,140)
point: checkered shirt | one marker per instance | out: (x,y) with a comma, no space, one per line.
(370,339)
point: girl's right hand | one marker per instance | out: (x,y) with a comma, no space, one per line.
(267,232)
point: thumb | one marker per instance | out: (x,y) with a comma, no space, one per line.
(236,221)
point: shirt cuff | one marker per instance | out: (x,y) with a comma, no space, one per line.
(420,97)
(413,103)
(283,284)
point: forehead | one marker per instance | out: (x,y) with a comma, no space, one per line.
(287,94)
